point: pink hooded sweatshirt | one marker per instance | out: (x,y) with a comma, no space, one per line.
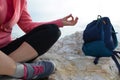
(20,16)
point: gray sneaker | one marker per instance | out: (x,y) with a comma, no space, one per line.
(38,70)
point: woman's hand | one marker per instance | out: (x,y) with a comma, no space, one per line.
(69,20)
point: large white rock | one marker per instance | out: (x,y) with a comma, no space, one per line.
(72,64)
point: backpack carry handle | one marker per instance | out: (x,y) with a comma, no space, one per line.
(99,17)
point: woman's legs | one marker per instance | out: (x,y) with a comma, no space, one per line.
(33,44)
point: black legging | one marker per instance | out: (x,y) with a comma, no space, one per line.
(41,39)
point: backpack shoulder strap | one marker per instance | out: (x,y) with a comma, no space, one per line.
(116,62)
(96,60)
(116,54)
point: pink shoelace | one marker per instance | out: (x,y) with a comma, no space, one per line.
(38,70)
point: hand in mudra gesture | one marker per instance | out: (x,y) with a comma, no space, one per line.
(69,20)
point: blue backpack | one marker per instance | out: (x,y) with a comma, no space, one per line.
(100,40)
